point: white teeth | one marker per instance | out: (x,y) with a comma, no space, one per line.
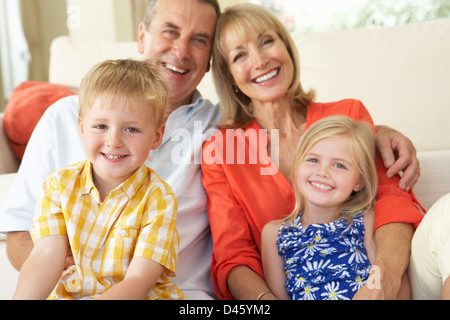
(111,157)
(175,69)
(321,186)
(267,77)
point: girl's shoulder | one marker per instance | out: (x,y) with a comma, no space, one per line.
(270,229)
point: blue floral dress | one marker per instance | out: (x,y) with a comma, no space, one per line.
(324,261)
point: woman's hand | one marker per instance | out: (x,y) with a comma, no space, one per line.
(399,156)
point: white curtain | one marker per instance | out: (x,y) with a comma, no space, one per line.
(14,52)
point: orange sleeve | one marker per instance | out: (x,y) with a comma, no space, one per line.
(232,238)
(393,204)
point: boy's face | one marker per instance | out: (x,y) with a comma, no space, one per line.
(116,140)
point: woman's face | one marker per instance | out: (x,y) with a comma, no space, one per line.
(260,65)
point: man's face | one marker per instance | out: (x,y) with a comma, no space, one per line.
(181,34)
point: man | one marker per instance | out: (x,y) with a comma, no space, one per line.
(181,33)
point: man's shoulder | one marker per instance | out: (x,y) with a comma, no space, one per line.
(157,184)
(64,107)
(209,110)
(69,171)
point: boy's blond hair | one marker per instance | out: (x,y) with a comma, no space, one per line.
(126,79)
(362,152)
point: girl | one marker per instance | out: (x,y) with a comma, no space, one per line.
(325,246)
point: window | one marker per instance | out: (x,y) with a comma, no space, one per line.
(14,54)
(321,15)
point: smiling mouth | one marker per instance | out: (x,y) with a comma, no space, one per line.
(267,76)
(112,157)
(321,186)
(171,67)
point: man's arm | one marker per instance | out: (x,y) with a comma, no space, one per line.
(43,268)
(18,247)
(399,155)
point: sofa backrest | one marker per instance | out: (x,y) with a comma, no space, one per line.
(401,73)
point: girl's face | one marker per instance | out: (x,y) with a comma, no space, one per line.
(327,175)
(118,141)
(260,65)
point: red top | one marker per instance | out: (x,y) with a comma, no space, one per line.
(244,196)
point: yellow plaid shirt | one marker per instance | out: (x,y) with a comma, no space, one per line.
(137,219)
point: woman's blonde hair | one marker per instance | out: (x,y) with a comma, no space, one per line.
(362,151)
(126,79)
(242,20)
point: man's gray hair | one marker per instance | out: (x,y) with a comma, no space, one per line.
(151,4)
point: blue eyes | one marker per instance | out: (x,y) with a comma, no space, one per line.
(336,164)
(105,127)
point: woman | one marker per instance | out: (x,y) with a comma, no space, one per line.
(265,111)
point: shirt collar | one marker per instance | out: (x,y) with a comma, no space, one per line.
(129,187)
(197,102)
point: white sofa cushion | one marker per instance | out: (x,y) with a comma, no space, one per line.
(71,60)
(401,74)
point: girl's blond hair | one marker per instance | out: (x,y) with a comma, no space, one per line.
(362,151)
(243,20)
(127,79)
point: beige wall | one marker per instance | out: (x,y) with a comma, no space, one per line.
(108,20)
(111,20)
(43,20)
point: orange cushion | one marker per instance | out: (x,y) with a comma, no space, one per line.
(25,107)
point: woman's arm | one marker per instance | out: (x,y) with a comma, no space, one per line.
(392,242)
(245,284)
(42,270)
(236,259)
(140,278)
(399,155)
(273,263)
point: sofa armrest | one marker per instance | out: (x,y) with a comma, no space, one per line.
(8,161)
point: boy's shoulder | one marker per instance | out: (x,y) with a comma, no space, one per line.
(66,178)
(70,171)
(157,184)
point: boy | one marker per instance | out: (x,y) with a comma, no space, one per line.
(114,213)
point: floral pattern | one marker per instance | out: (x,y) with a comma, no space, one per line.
(324,261)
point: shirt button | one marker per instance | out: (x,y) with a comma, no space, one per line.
(88,253)
(123,233)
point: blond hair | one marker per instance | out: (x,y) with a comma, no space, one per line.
(242,20)
(362,152)
(128,79)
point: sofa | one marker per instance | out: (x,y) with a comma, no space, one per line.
(401,74)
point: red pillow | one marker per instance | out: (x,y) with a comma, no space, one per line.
(25,107)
